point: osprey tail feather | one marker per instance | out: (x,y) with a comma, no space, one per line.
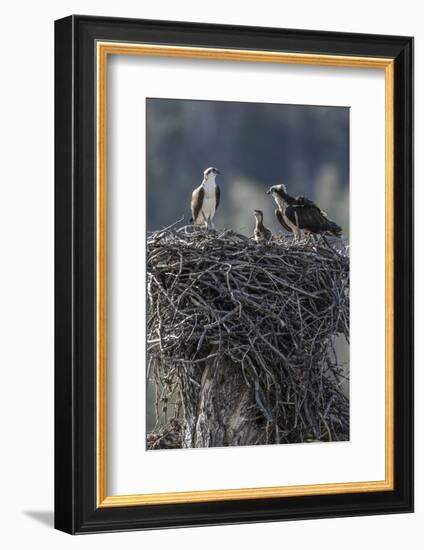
(334,229)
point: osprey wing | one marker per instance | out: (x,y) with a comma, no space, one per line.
(197,202)
(306,215)
(267,234)
(217,196)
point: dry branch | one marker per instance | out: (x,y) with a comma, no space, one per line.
(241,337)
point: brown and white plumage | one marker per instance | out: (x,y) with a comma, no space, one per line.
(205,199)
(261,233)
(301,214)
(280,218)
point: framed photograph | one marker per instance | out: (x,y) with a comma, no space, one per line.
(234,288)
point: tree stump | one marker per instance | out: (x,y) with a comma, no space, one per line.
(241,339)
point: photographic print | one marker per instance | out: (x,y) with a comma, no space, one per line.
(247,274)
(210,314)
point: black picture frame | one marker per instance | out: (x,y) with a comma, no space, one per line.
(76,510)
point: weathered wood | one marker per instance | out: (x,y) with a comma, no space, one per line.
(241,338)
(225,414)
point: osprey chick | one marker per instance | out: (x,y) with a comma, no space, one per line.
(205,199)
(299,213)
(261,233)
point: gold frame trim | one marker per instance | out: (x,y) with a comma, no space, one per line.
(104,49)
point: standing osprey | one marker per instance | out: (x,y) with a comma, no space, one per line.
(261,233)
(205,199)
(300,213)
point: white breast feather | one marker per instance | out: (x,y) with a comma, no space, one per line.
(209,199)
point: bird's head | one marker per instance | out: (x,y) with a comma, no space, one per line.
(277,190)
(259,215)
(210,172)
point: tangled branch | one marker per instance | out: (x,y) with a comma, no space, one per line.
(272,311)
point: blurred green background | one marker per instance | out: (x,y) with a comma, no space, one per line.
(254,145)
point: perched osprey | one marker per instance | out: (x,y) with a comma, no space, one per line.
(205,199)
(261,233)
(299,213)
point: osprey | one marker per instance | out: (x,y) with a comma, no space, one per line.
(299,213)
(205,199)
(261,233)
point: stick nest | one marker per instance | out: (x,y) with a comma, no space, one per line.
(271,310)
